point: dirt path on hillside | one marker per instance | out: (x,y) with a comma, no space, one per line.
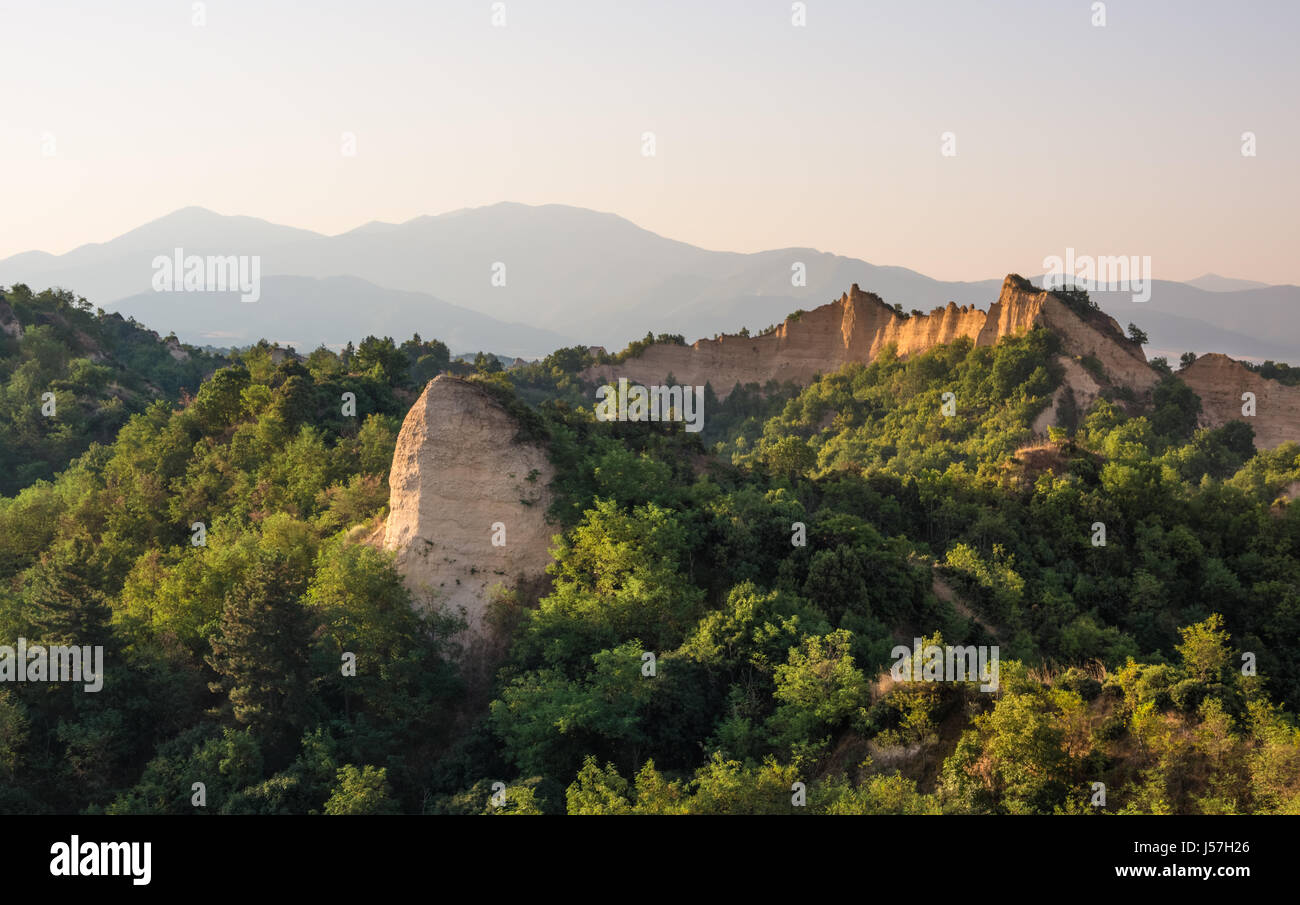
(947,593)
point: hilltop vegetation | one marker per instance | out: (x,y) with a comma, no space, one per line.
(100,368)
(1122,663)
(206,549)
(769,566)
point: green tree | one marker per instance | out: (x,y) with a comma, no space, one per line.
(1205,650)
(363,791)
(1177,408)
(818,688)
(618,576)
(487,364)
(260,653)
(66,600)
(219,403)
(382,358)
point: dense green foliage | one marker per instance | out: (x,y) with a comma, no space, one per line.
(1281,372)
(636,347)
(225,660)
(99,368)
(721,615)
(890,414)
(768,652)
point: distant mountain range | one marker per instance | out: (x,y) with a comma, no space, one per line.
(306,312)
(1212,282)
(522,280)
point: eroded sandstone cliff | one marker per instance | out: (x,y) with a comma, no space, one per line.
(859,325)
(462,477)
(463,473)
(1221,382)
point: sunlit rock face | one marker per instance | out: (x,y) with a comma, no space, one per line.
(467,510)
(1221,382)
(859,325)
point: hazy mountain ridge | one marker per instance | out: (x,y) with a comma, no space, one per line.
(305,312)
(601,279)
(1213,282)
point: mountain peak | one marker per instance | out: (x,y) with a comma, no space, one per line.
(192,210)
(856,295)
(1213,282)
(1014,281)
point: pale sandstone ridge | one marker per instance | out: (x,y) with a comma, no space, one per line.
(859,325)
(458,468)
(1221,381)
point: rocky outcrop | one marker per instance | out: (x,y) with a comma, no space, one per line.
(1221,382)
(1076,382)
(470,490)
(174,349)
(9,324)
(859,326)
(468,501)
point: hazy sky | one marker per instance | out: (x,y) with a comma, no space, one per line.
(1123,139)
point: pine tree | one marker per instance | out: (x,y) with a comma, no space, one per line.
(65,603)
(260,653)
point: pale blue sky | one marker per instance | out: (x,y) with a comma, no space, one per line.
(1116,140)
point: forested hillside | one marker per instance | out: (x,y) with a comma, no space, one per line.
(769,565)
(99,369)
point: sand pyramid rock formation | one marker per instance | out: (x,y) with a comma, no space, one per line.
(461,475)
(1221,382)
(859,325)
